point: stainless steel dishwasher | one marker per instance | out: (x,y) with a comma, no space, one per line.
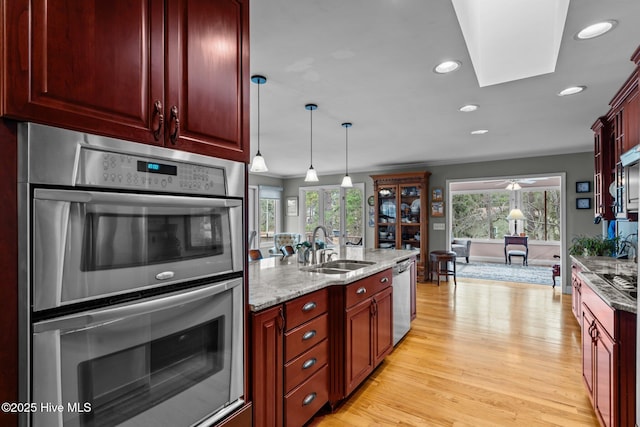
(401,299)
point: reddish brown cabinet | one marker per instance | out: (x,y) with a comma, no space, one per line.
(171,73)
(608,365)
(290,361)
(267,359)
(367,321)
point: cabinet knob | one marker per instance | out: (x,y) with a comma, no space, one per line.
(308,335)
(361,291)
(309,363)
(384,280)
(309,306)
(310,398)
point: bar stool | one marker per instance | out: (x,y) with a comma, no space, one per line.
(438,261)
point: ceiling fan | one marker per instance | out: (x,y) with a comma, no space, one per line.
(514,184)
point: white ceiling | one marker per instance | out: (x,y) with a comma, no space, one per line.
(370,62)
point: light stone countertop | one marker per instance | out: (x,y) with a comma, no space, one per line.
(591,266)
(275,280)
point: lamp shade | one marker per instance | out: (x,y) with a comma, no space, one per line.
(515,214)
(346,181)
(258,164)
(311,176)
(513,186)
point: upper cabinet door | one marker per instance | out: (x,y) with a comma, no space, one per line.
(208,77)
(90,65)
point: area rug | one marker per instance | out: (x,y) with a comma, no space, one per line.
(506,273)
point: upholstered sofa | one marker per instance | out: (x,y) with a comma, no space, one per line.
(284,239)
(462,248)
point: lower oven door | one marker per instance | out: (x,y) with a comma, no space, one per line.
(93,244)
(174,360)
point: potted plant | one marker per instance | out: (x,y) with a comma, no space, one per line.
(593,246)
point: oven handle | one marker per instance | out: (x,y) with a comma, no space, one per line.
(144,200)
(98,317)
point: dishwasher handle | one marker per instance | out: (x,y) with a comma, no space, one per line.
(401,266)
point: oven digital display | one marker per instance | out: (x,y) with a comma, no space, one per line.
(160,168)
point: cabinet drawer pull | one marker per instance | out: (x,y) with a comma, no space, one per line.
(361,291)
(309,363)
(157,109)
(309,335)
(174,121)
(309,306)
(384,280)
(310,398)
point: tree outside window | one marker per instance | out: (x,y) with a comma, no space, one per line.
(482,215)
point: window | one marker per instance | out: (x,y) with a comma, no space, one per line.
(481,214)
(340,210)
(266,220)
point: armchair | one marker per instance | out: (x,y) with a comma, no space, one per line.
(284,239)
(462,248)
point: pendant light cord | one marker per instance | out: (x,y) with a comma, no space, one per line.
(311,135)
(259,118)
(346,156)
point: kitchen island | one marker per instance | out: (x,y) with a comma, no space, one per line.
(276,280)
(607,316)
(315,336)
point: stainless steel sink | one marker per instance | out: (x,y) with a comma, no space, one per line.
(340,266)
(348,264)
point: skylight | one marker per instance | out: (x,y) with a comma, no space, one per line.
(511,40)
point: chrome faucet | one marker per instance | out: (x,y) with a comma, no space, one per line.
(313,242)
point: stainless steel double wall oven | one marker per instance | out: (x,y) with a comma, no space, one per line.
(131,282)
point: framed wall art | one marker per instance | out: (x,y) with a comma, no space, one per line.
(583,203)
(437,194)
(583,187)
(437,209)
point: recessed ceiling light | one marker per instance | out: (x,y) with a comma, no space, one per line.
(468,108)
(479,132)
(571,90)
(596,30)
(447,67)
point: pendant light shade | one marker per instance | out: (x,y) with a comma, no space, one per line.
(513,185)
(312,176)
(346,181)
(258,164)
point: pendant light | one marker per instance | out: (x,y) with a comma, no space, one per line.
(346,181)
(258,164)
(312,176)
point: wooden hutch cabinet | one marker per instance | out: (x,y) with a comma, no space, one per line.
(604,169)
(147,71)
(401,214)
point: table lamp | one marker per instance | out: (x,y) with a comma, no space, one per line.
(515,215)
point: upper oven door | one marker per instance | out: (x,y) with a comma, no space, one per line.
(90,244)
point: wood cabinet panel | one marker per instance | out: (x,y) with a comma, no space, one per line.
(302,338)
(588,323)
(267,367)
(359,357)
(305,308)
(576,295)
(383,325)
(172,73)
(208,77)
(605,356)
(303,402)
(102,76)
(364,289)
(303,366)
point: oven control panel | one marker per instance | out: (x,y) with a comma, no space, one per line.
(118,170)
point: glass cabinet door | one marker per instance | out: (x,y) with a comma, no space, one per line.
(409,216)
(387,216)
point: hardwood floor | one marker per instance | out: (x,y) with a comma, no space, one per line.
(480,354)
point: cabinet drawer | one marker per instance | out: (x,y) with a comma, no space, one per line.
(600,309)
(305,308)
(365,288)
(305,336)
(305,365)
(303,402)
